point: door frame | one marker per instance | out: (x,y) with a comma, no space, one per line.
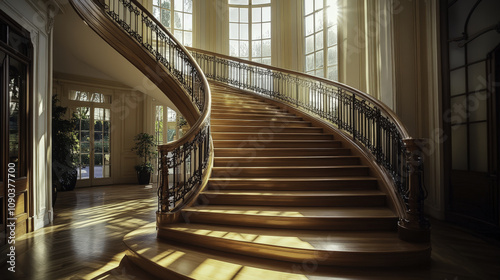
(72,105)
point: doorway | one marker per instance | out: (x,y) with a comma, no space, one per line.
(15,127)
(91,113)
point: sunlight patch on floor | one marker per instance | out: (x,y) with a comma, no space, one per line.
(112,264)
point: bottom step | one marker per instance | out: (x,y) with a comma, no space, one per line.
(168,260)
(369,249)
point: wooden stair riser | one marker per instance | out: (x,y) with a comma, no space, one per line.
(265,129)
(270,136)
(269,152)
(244,108)
(271,123)
(289,171)
(236,103)
(277,144)
(218,198)
(295,184)
(285,161)
(298,223)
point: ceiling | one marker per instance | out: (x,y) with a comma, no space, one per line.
(78,50)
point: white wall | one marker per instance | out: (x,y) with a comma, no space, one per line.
(36,16)
(78,50)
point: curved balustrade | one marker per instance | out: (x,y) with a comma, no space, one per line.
(367,120)
(184,164)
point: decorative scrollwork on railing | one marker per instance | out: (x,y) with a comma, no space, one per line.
(182,170)
(183,163)
(136,21)
(368,121)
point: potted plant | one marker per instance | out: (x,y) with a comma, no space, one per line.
(145,148)
(64,148)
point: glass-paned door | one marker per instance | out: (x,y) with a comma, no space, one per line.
(82,115)
(101,143)
(94,136)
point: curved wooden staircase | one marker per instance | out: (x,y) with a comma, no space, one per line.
(286,200)
(284,189)
(258,189)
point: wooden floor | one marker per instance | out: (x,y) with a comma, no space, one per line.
(85,242)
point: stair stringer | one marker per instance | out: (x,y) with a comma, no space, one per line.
(96,18)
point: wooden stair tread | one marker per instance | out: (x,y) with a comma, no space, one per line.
(285,149)
(291,157)
(249,122)
(266,129)
(224,135)
(330,241)
(290,211)
(306,179)
(219,115)
(276,140)
(168,260)
(294,167)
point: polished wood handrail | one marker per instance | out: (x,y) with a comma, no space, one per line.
(204,118)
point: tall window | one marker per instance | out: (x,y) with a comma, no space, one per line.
(177,16)
(321,38)
(250,30)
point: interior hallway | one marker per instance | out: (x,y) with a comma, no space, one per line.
(85,242)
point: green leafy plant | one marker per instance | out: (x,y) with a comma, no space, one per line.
(145,148)
(64,148)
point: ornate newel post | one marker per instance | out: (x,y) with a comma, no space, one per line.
(414,227)
(163,216)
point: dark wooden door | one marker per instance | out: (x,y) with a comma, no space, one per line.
(15,138)
(470,61)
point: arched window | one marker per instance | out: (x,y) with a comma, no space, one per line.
(177,16)
(250,30)
(321,38)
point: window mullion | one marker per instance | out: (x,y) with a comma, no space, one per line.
(325,39)
(250,35)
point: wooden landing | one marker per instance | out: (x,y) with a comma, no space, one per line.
(173,260)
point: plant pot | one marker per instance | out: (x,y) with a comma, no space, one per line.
(64,179)
(143,177)
(71,181)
